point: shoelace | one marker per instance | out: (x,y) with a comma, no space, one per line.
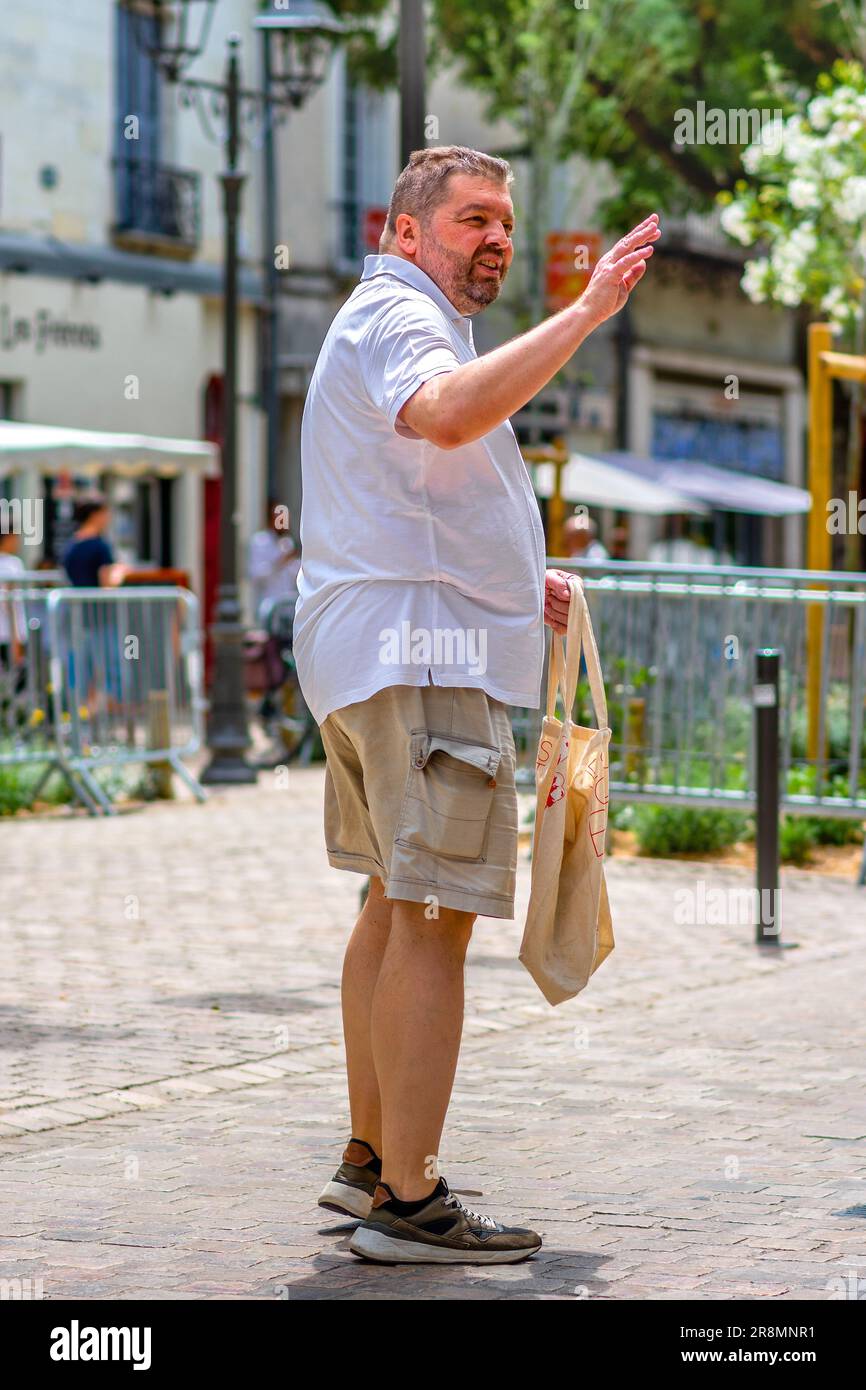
(452,1200)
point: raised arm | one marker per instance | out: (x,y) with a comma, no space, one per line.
(459,406)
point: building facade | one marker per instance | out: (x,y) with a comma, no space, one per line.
(111,249)
(111,306)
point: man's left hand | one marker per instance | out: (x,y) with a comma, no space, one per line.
(557,596)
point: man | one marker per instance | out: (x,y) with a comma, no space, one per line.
(580,535)
(90,564)
(273,561)
(88,559)
(619,543)
(420,619)
(13,627)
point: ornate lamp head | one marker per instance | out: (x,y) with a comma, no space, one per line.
(302,35)
(172,32)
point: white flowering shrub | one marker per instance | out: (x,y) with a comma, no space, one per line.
(806,203)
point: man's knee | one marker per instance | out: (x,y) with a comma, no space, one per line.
(446,924)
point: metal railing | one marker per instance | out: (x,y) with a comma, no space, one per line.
(25,732)
(38,579)
(159,202)
(100,678)
(677,646)
(702,232)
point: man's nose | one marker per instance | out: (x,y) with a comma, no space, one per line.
(497,236)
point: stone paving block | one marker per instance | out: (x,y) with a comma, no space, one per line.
(694,1053)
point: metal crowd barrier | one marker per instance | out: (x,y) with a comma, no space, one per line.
(36,579)
(109,678)
(25,724)
(677,647)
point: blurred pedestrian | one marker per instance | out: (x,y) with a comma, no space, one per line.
(619,543)
(580,536)
(13,629)
(88,559)
(90,564)
(274,562)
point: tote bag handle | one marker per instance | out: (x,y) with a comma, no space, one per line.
(564,666)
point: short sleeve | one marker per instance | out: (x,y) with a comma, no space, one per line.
(407,345)
(102,554)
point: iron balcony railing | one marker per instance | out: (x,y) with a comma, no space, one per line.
(702,233)
(156,203)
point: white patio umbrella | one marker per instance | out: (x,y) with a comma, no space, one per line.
(599,484)
(52,448)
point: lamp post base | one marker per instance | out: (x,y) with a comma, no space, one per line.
(228,769)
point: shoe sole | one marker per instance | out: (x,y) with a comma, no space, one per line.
(348,1201)
(376,1245)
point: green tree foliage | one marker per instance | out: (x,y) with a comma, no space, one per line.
(607,80)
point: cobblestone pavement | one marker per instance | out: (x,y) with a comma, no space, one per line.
(172,1095)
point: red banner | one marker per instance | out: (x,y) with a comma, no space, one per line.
(570,260)
(372,228)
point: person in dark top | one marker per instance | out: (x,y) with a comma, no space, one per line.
(94,664)
(88,559)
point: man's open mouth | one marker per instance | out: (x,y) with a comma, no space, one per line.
(489,264)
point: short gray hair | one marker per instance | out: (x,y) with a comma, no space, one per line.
(423,184)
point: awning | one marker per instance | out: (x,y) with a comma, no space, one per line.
(54,448)
(602,484)
(723,489)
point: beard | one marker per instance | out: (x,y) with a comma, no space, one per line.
(468,288)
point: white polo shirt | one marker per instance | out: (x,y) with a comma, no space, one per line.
(415,560)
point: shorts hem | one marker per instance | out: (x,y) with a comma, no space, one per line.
(460,899)
(356,863)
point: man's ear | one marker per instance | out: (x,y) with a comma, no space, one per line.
(407,234)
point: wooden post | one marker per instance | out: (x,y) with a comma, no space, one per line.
(557,455)
(820,484)
(636,724)
(824,367)
(159,736)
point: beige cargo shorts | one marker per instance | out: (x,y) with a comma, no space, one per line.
(419,791)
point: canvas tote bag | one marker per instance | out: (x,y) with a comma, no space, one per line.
(568,928)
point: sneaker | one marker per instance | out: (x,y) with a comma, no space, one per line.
(351,1189)
(442,1232)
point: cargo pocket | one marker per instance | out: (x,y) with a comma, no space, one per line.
(449,796)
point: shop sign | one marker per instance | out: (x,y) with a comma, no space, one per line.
(570,259)
(43,330)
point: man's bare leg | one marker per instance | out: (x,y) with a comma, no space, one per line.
(361,967)
(417,1021)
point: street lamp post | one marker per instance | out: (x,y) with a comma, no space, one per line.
(297,64)
(228,735)
(411,59)
(296,44)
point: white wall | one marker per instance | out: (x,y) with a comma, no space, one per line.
(58,108)
(170,344)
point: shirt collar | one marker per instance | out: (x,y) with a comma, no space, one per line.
(413,275)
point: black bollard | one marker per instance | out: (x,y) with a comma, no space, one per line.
(766,704)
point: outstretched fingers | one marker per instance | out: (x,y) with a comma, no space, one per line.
(635,274)
(641,237)
(627,264)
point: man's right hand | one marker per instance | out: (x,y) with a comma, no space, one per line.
(619,270)
(462,405)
